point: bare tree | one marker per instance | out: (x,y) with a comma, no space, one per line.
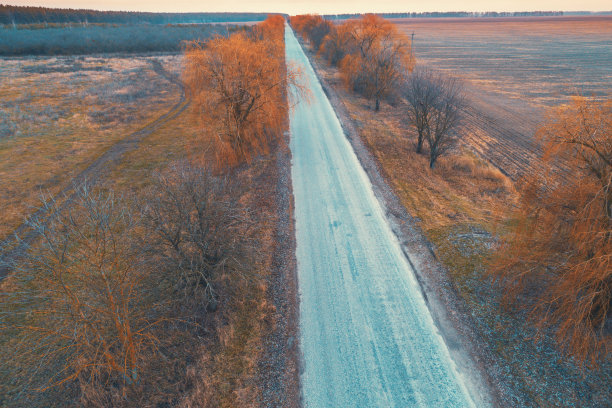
(434,106)
(420,94)
(82,309)
(201,231)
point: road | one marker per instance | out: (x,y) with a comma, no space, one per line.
(366,335)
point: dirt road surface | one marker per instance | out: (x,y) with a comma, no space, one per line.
(367,337)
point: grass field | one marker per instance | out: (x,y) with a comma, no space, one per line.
(58,114)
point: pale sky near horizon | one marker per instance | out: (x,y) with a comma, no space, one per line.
(320,6)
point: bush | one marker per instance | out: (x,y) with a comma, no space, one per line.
(557,254)
(109,305)
(85,303)
(200,230)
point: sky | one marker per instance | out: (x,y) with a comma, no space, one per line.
(322,6)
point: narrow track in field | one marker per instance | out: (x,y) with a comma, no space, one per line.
(12,247)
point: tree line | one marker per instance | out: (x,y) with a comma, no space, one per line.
(107,38)
(10,15)
(376,60)
(442,14)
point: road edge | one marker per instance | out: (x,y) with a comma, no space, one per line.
(279,369)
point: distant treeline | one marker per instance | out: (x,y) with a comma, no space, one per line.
(97,39)
(32,15)
(438,14)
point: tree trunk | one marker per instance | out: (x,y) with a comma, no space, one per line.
(419,148)
(432,161)
(377,108)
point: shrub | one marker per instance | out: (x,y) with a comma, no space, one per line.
(201,232)
(108,306)
(558,250)
(85,303)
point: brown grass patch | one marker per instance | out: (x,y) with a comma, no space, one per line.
(58,122)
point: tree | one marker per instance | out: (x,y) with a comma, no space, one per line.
(83,308)
(238,86)
(200,231)
(111,298)
(420,94)
(337,43)
(313,27)
(557,252)
(434,107)
(383,56)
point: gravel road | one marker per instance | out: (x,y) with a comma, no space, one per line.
(367,337)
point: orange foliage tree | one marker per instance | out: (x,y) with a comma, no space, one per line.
(372,54)
(238,88)
(559,246)
(383,56)
(313,27)
(337,43)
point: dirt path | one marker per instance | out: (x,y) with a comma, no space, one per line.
(13,246)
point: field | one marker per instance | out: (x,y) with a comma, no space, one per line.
(116,122)
(57,115)
(515,68)
(538,60)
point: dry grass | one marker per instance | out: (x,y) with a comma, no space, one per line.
(220,366)
(223,371)
(463,188)
(60,114)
